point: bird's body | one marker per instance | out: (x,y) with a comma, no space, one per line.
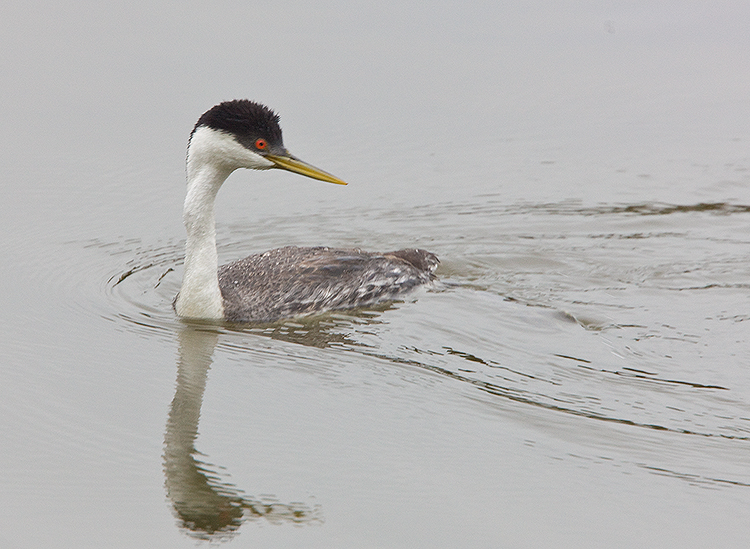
(280,283)
(295,281)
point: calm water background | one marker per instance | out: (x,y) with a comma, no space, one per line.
(580,375)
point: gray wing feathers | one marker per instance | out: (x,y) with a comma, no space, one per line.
(295,281)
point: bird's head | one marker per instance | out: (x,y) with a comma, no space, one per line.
(244,134)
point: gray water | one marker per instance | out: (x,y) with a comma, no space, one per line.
(579,376)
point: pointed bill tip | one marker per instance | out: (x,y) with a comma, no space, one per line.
(294,164)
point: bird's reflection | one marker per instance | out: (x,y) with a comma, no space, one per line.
(207,507)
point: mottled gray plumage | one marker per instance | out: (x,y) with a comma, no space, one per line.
(295,281)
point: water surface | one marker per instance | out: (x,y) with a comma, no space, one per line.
(578,376)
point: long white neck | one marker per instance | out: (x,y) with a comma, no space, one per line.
(200,296)
(212,156)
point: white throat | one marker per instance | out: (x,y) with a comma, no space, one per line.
(212,156)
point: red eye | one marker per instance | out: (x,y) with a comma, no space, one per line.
(261,144)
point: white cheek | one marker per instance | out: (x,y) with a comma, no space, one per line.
(211,146)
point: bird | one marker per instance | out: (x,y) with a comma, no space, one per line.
(286,282)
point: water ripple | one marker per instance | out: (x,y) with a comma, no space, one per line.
(616,325)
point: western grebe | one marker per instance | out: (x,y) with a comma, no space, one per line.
(280,283)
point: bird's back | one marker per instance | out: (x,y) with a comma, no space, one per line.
(295,281)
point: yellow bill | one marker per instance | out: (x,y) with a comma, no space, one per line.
(294,164)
